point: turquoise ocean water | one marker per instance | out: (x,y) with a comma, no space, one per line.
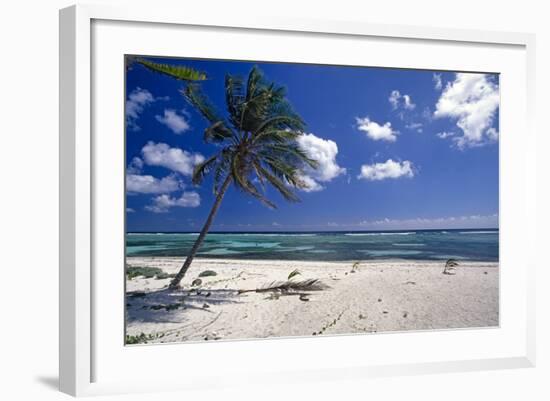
(475,245)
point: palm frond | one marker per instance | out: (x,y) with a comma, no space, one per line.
(291,286)
(291,150)
(280,122)
(218,132)
(280,185)
(275,136)
(194,95)
(234,98)
(179,72)
(203,168)
(240,178)
(293,273)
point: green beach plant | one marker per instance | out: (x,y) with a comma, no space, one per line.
(256,144)
(294,273)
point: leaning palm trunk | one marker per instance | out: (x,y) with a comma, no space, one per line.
(175,283)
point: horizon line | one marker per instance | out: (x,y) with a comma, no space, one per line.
(315,231)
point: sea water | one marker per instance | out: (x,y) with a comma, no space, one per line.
(474,245)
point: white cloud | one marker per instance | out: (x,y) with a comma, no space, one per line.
(376,131)
(452,222)
(135,166)
(162,203)
(492,134)
(137,100)
(471,99)
(418,127)
(176,122)
(388,169)
(129,210)
(324,151)
(147,184)
(438,82)
(175,159)
(444,134)
(398,100)
(310,185)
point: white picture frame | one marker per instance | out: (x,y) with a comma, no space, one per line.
(80,371)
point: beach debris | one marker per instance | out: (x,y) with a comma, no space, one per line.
(304,297)
(212,336)
(379,299)
(330,324)
(208,273)
(291,287)
(484,272)
(385,312)
(274,296)
(196,282)
(355,267)
(294,273)
(361,316)
(450,267)
(405,314)
(205,306)
(411,282)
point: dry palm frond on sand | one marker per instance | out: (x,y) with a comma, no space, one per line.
(450,267)
(291,287)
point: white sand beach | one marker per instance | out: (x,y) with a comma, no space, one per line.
(379,296)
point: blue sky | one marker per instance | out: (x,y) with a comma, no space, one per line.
(397,149)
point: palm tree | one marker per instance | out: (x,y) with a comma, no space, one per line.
(257,146)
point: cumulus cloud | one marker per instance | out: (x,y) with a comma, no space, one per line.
(376,131)
(136,102)
(324,151)
(472,100)
(176,122)
(386,170)
(175,159)
(135,166)
(398,100)
(438,82)
(147,184)
(163,203)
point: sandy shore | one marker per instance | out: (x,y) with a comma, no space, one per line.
(379,296)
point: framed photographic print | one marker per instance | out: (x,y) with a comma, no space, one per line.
(358,189)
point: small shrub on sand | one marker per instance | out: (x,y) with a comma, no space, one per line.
(147,272)
(208,273)
(139,339)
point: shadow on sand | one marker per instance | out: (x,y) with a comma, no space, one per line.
(170,306)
